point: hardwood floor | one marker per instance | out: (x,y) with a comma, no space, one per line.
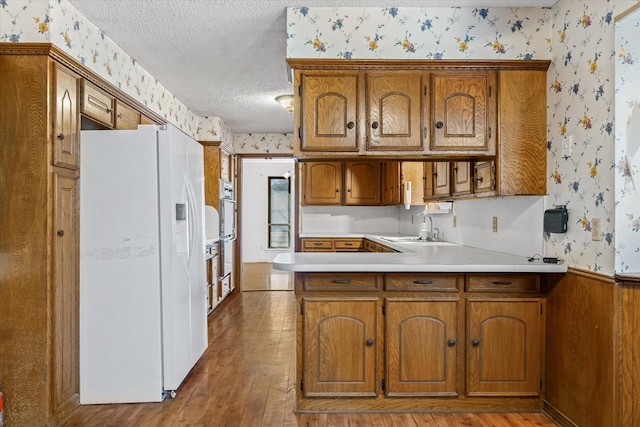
(259,276)
(246,378)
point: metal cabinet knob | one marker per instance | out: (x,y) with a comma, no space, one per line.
(350,125)
(439,125)
(475,343)
(60,233)
(61,136)
(452,343)
(374,125)
(370,342)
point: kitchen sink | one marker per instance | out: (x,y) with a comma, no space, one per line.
(417,240)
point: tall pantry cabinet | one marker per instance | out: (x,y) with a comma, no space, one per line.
(39,244)
(40,120)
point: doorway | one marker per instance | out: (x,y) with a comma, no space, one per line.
(267,221)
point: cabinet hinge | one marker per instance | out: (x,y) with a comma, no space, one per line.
(384,385)
(302,309)
(299,132)
(301,385)
(425,90)
(300,90)
(384,309)
(540,383)
(489,131)
(540,309)
(490,87)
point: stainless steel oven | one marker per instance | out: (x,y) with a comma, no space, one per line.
(227,234)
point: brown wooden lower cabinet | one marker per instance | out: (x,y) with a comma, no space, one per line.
(396,344)
(340,347)
(422,347)
(504,342)
(331,244)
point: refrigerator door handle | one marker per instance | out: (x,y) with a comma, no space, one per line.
(191,212)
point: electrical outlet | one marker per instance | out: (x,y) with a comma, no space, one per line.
(455,221)
(596,230)
(495,224)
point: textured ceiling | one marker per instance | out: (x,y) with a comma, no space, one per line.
(226,58)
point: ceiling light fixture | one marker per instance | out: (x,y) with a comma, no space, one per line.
(286,101)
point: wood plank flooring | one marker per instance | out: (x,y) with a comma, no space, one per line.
(259,276)
(246,378)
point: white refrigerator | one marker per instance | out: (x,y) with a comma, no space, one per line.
(143,314)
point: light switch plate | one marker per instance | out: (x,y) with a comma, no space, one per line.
(567,143)
(596,230)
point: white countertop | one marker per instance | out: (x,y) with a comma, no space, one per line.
(415,257)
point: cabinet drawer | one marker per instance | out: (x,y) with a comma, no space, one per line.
(310,245)
(341,281)
(423,282)
(97,104)
(529,283)
(347,244)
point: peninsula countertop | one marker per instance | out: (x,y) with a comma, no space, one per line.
(414,256)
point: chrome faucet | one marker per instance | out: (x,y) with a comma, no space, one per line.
(424,233)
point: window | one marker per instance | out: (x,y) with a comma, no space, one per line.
(279,212)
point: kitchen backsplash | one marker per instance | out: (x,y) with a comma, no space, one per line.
(519,222)
(349,219)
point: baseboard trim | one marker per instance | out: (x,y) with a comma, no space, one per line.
(557,416)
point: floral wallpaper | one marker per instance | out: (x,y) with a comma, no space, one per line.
(258,143)
(581,102)
(215,129)
(627,152)
(418,33)
(58,22)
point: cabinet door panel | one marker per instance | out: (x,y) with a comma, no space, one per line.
(461,178)
(65,118)
(362,183)
(395,111)
(338,359)
(504,348)
(484,177)
(464,109)
(65,303)
(441,179)
(322,183)
(421,339)
(416,173)
(126,117)
(329,108)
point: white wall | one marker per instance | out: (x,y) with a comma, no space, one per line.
(520,224)
(349,219)
(520,221)
(255,173)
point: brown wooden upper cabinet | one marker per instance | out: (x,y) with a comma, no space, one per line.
(362,183)
(322,183)
(464,112)
(97,104)
(391,186)
(65,117)
(126,117)
(440,111)
(329,111)
(394,110)
(437,180)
